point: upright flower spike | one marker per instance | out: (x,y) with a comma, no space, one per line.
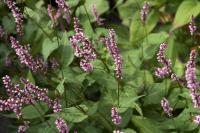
(191,79)
(144,12)
(17,15)
(111,45)
(61,126)
(96,15)
(83,47)
(166,107)
(190,73)
(65,9)
(116,118)
(166,69)
(192,26)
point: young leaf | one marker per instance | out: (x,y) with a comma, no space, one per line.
(185,11)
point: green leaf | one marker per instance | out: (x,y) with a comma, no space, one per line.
(152,44)
(146,125)
(127,10)
(48,47)
(8,23)
(43,127)
(102,6)
(156,93)
(138,31)
(104,79)
(185,11)
(31,112)
(60,87)
(128,130)
(73,114)
(30,77)
(66,55)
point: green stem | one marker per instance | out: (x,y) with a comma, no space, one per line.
(87,14)
(175,125)
(118,93)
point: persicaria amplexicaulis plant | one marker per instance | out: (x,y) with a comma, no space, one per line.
(64,80)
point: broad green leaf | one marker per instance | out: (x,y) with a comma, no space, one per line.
(128,10)
(126,118)
(74,114)
(138,31)
(156,93)
(171,51)
(48,47)
(30,77)
(60,88)
(182,121)
(102,6)
(128,130)
(66,55)
(8,23)
(185,11)
(146,125)
(34,111)
(104,79)
(43,127)
(152,42)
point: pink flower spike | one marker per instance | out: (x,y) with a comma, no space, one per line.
(17,15)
